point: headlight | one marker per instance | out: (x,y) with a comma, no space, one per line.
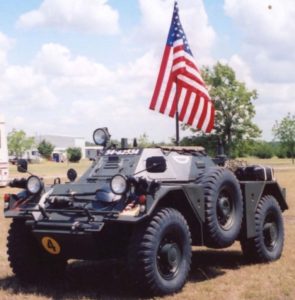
(119,184)
(101,136)
(34,184)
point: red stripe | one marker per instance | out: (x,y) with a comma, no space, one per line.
(211,122)
(175,101)
(193,78)
(194,110)
(177,49)
(160,77)
(203,115)
(167,94)
(187,62)
(185,105)
(192,88)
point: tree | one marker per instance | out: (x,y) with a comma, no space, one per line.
(18,142)
(234,107)
(143,140)
(45,149)
(284,131)
(74,154)
(209,142)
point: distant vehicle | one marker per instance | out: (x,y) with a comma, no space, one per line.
(4,170)
(92,152)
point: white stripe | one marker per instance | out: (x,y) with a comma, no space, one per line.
(170,99)
(208,116)
(181,99)
(189,69)
(199,112)
(178,65)
(194,84)
(182,64)
(189,107)
(164,82)
(178,54)
(178,43)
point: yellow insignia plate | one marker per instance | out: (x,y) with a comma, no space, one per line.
(50,245)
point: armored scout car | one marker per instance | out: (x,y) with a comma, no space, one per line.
(145,206)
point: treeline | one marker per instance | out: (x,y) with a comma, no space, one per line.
(259,148)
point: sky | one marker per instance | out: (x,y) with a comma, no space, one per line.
(70,66)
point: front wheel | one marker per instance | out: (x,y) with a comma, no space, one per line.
(160,253)
(29,262)
(267,245)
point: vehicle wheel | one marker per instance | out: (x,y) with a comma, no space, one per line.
(267,245)
(223,207)
(159,255)
(29,262)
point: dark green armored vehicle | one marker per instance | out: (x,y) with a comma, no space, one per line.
(147,207)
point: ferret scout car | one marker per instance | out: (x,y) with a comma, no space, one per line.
(146,206)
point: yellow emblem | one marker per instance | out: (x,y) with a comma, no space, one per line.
(50,245)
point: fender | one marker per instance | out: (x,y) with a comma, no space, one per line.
(252,193)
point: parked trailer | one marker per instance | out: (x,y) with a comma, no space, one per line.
(4,169)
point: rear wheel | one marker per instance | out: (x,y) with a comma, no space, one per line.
(223,207)
(160,253)
(29,262)
(267,245)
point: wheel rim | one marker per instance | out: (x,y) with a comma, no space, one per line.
(270,231)
(169,257)
(225,209)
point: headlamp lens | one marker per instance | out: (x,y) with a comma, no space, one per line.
(34,184)
(119,184)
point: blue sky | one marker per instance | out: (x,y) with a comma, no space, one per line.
(70,66)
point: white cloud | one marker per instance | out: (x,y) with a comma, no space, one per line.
(266,61)
(5,44)
(95,16)
(63,68)
(268,43)
(156,19)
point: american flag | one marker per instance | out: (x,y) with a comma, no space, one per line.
(180,87)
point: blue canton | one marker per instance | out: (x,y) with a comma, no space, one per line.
(176,31)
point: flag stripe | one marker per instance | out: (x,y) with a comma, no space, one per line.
(175,102)
(185,105)
(180,86)
(166,95)
(199,111)
(189,108)
(160,77)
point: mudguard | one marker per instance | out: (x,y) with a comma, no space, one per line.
(253,191)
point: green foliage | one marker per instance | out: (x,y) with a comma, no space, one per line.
(74,154)
(18,142)
(143,141)
(284,131)
(45,149)
(209,142)
(234,107)
(263,150)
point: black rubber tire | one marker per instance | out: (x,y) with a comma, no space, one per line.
(267,245)
(223,207)
(29,262)
(159,255)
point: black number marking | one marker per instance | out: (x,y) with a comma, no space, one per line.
(51,246)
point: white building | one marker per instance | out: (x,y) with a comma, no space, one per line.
(61,143)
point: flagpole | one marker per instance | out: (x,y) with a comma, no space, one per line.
(177,129)
(177,121)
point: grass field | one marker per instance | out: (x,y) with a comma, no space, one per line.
(221,274)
